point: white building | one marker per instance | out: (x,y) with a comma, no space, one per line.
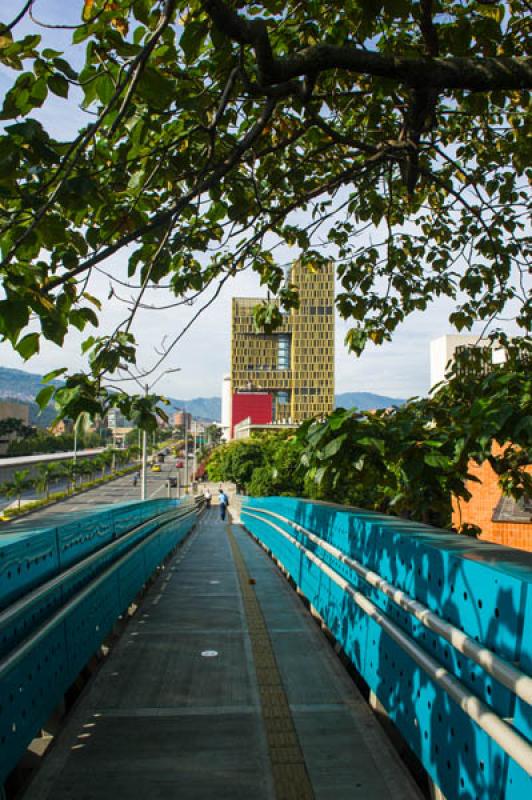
(226,407)
(442,352)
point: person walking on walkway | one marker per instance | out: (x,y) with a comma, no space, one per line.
(223,500)
(208,497)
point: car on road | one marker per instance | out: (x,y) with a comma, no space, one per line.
(179,464)
(155,468)
(172,482)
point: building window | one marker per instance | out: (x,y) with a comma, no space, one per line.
(283,351)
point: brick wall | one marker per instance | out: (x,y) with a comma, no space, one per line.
(479,511)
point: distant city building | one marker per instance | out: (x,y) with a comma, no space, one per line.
(9,410)
(62,426)
(483,354)
(500,518)
(182,418)
(115,419)
(120,436)
(286,376)
(246,428)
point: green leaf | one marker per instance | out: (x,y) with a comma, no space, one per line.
(155,88)
(58,85)
(64,67)
(104,88)
(192,39)
(28,346)
(49,53)
(333,447)
(372,443)
(437,460)
(50,376)
(320,474)
(93,300)
(44,397)
(14,315)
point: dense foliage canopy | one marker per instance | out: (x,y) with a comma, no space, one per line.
(386,135)
(44,442)
(409,460)
(267,464)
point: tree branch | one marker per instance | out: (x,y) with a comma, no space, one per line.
(472,74)
(428,29)
(22,13)
(163,218)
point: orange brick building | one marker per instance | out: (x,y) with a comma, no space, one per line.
(501,519)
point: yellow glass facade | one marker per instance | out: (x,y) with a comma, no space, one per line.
(296,363)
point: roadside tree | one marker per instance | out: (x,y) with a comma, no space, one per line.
(410,460)
(19,483)
(43,479)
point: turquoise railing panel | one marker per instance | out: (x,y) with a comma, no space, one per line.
(483,589)
(32,554)
(74,619)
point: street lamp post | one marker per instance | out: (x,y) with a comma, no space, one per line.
(143,475)
(194,452)
(75,440)
(144,469)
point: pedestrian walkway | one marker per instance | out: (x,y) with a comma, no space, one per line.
(222,687)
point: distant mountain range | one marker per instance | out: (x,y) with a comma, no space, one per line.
(365,401)
(16,384)
(19,385)
(206,408)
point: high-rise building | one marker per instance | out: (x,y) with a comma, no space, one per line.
(287,375)
(13,410)
(115,419)
(182,419)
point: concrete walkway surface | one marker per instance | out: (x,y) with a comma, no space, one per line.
(221,687)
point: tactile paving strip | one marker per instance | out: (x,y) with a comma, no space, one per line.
(289,770)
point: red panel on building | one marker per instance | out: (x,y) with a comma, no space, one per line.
(257,406)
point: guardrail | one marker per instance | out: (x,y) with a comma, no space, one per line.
(438,626)
(30,554)
(50,633)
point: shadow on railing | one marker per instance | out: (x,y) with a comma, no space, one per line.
(434,624)
(62,590)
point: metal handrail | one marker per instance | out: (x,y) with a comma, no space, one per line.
(9,661)
(19,606)
(515,745)
(518,682)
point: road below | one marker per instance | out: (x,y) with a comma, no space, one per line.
(120,490)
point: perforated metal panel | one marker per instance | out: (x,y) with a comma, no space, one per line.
(475,586)
(32,686)
(31,556)
(29,692)
(83,536)
(26,560)
(17,622)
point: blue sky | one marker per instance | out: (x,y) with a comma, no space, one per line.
(398,369)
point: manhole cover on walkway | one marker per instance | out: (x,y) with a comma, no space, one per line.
(209,653)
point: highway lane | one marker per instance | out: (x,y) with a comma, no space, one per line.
(59,485)
(120,490)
